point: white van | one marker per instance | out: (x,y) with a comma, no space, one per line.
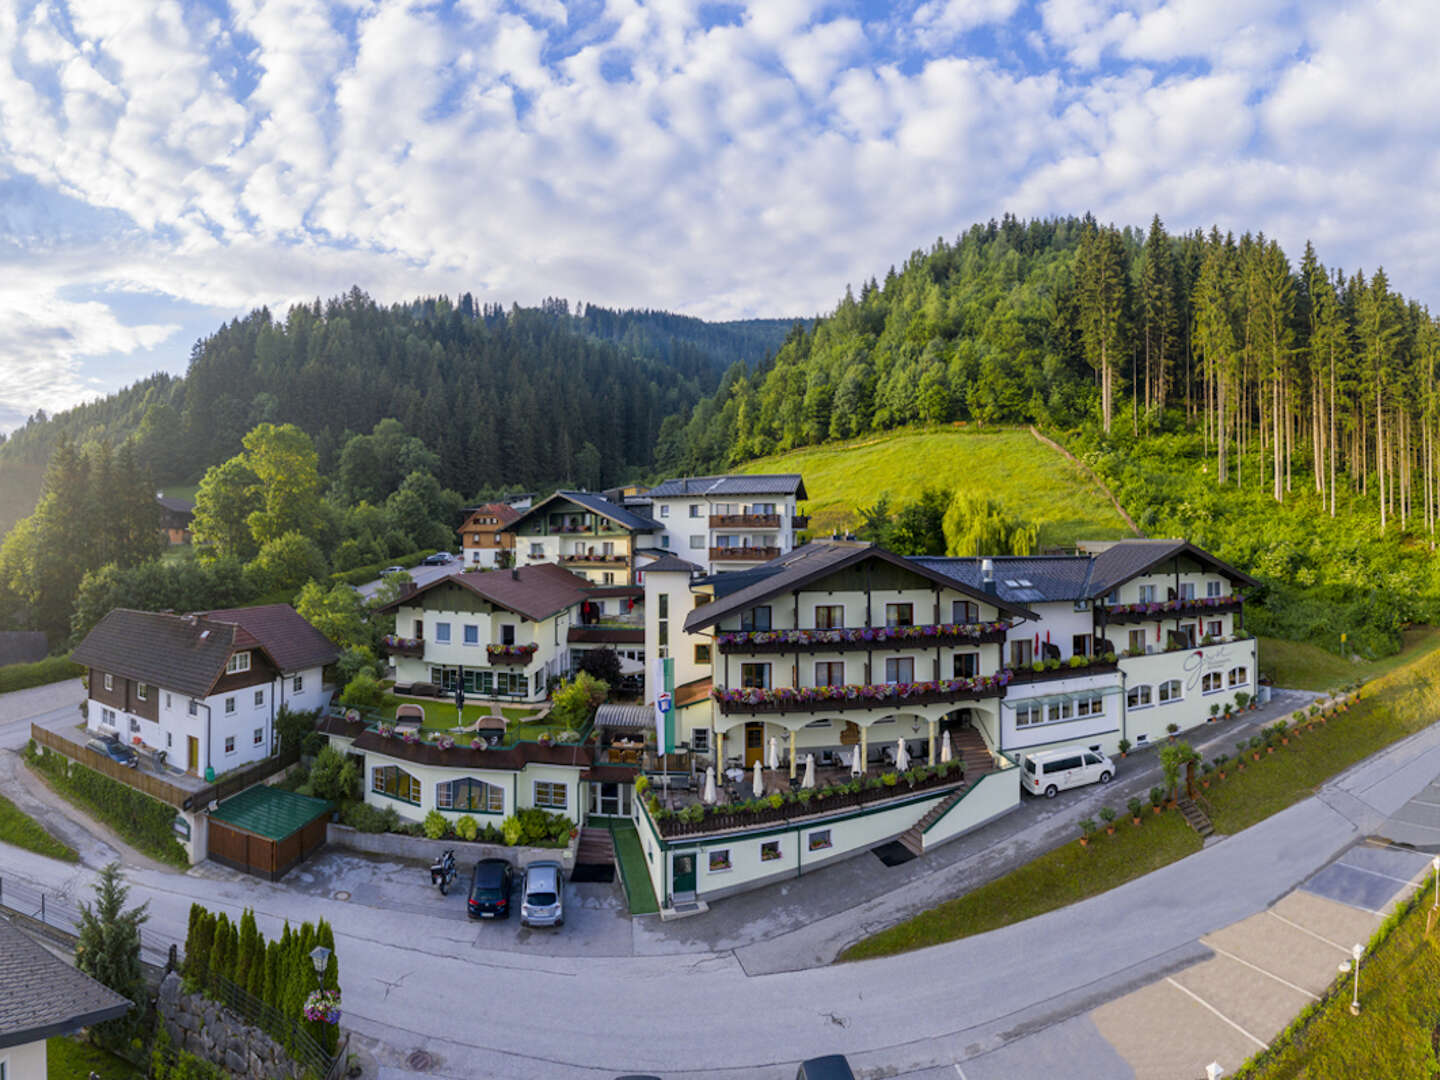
(1052,771)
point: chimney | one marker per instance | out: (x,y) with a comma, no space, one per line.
(987,575)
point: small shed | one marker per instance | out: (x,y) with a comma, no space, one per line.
(267,830)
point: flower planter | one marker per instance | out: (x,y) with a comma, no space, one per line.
(1084,841)
(1222,776)
(1134,821)
(1109,830)
(1157,809)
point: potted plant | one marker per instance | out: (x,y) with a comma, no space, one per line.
(1107,815)
(1205,770)
(1242,699)
(1135,807)
(1124,747)
(1157,799)
(1172,728)
(1256,742)
(1229,709)
(1220,761)
(1087,828)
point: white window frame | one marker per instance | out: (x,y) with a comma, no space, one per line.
(229,744)
(142,691)
(1057,712)
(812,845)
(1243,680)
(469,630)
(1212,589)
(721,854)
(697,542)
(1141,696)
(899,660)
(1187,590)
(1219,679)
(259,699)
(258,737)
(664,510)
(442,633)
(549,803)
(1170,691)
(1029,713)
(1147,594)
(700,740)
(109,681)
(238,664)
(297,684)
(229,705)
(774,845)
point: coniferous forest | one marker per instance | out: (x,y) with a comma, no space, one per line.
(1282,413)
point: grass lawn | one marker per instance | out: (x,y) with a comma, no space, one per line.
(67,1058)
(1305,667)
(1393,1035)
(1396,705)
(440,716)
(1008,464)
(632,868)
(20,829)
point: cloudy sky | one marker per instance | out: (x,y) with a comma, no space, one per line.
(167,165)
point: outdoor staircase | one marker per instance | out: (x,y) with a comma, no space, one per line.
(1195,817)
(913,838)
(597,847)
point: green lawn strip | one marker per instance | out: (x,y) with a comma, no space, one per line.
(1304,667)
(1399,1013)
(633,869)
(515,712)
(1394,706)
(20,829)
(1067,874)
(68,1058)
(440,718)
(1006,464)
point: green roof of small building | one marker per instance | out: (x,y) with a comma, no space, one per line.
(271,812)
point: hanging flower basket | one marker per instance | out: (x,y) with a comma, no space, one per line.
(323,1007)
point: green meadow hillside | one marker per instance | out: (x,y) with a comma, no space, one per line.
(1031,480)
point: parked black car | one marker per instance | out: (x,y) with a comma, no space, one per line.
(829,1067)
(440,558)
(490,885)
(115,750)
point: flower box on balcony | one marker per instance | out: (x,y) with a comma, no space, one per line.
(403,646)
(510,654)
(785,699)
(1195,605)
(861,638)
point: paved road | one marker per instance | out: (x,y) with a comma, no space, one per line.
(1016,996)
(421,575)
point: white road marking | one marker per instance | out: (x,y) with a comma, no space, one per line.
(1191,994)
(960,1072)
(1306,930)
(1262,971)
(1377,873)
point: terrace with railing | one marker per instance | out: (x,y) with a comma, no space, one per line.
(751,700)
(744,521)
(843,640)
(1184,607)
(744,554)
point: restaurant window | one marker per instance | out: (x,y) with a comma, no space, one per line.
(899,614)
(756,618)
(964,612)
(1239,676)
(470,794)
(1062,710)
(1170,691)
(769,850)
(1080,645)
(702,654)
(551,795)
(1215,628)
(830,673)
(1093,705)
(395,782)
(829,616)
(1211,683)
(819,840)
(900,669)
(755,676)
(719,860)
(1138,697)
(967,665)
(1028,713)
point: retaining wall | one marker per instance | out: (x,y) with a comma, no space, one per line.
(401,846)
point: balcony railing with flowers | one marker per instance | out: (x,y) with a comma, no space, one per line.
(510,654)
(595,557)
(783,699)
(925,636)
(744,554)
(403,646)
(1182,608)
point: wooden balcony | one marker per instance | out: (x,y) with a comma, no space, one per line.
(901,637)
(595,559)
(886,696)
(1195,607)
(802,521)
(744,554)
(510,655)
(744,521)
(399,646)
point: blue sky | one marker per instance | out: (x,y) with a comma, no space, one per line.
(165,166)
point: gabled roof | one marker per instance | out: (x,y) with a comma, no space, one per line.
(282,631)
(671,564)
(532,592)
(817,560)
(596,504)
(41,995)
(503,513)
(736,484)
(174,505)
(186,654)
(1128,559)
(1025,579)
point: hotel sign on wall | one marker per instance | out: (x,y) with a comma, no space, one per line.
(1199,663)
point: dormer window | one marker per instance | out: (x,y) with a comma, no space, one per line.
(238,662)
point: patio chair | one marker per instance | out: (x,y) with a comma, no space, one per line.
(409,716)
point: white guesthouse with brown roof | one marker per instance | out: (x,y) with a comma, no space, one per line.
(205,689)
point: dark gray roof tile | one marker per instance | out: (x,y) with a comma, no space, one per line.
(41,995)
(737,484)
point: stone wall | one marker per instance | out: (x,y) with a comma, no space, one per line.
(212,1032)
(418,847)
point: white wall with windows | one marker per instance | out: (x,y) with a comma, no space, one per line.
(487,795)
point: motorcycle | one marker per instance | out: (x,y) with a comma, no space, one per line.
(442,871)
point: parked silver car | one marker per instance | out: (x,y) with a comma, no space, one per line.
(542,900)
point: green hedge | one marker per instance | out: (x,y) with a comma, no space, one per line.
(363,574)
(144,822)
(51,669)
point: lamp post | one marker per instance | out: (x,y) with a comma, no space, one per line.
(1356,952)
(320,956)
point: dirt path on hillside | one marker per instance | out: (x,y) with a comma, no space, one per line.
(1091,474)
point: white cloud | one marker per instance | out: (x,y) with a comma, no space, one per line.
(643,157)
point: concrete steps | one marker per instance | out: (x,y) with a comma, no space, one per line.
(913,838)
(596,847)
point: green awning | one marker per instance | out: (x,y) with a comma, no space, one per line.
(271,812)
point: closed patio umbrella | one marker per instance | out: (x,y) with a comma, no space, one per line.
(945,747)
(758,783)
(857,762)
(709,794)
(902,756)
(773,761)
(809,780)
